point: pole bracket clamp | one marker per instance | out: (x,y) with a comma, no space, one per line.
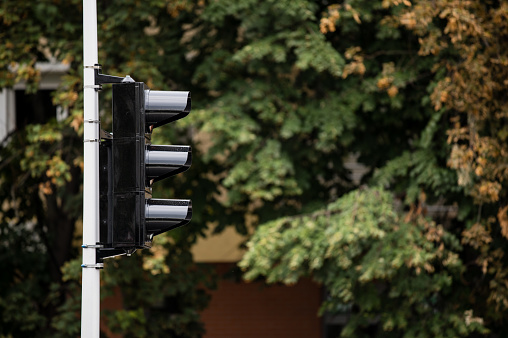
(96,87)
(96,266)
(92,246)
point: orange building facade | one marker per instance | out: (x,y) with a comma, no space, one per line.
(251,310)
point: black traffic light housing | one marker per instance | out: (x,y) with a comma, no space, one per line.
(129,165)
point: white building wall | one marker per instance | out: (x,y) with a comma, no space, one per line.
(7,113)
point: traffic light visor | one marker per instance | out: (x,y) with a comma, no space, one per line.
(162,107)
(162,215)
(165,161)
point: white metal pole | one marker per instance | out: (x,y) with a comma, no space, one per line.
(90,302)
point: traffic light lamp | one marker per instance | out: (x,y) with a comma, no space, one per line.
(130,164)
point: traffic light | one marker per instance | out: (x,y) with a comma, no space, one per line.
(130,164)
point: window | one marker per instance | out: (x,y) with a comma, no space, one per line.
(33,108)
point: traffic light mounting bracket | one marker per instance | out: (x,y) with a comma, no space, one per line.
(101,79)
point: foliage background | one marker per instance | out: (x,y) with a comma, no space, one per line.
(284,91)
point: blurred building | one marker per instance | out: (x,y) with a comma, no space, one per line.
(17,109)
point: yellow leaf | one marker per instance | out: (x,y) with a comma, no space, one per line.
(502,216)
(392,91)
(383,83)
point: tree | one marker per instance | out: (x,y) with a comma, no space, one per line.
(394,276)
(438,66)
